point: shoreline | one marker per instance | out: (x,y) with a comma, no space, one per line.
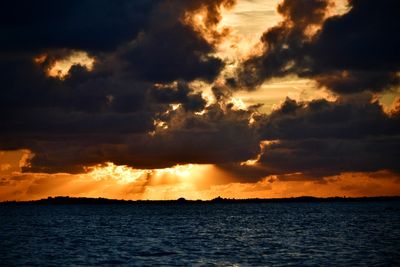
(65,200)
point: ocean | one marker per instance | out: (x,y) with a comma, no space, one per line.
(201,234)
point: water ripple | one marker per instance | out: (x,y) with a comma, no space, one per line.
(242,234)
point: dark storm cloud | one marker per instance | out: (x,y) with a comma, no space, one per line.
(77,24)
(323,138)
(343,119)
(108,113)
(319,138)
(120,111)
(325,157)
(77,122)
(181,93)
(172,49)
(34,102)
(353,52)
(218,136)
(363,42)
(172,53)
(166,50)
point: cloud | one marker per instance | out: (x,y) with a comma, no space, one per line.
(217,136)
(137,105)
(172,53)
(284,43)
(83,25)
(324,157)
(348,53)
(179,94)
(361,44)
(174,47)
(108,112)
(342,119)
(320,138)
(317,139)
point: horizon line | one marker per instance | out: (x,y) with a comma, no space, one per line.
(101,200)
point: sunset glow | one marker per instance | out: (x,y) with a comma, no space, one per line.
(189,181)
(199,99)
(61,67)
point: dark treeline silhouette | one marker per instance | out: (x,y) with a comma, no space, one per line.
(65,200)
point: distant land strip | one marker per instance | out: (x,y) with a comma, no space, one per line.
(65,200)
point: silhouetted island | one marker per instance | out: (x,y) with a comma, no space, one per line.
(65,200)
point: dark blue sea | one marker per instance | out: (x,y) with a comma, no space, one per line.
(212,234)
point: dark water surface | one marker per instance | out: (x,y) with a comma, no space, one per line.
(213,234)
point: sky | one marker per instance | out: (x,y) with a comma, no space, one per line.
(162,99)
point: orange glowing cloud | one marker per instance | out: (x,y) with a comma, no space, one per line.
(205,21)
(189,181)
(59,68)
